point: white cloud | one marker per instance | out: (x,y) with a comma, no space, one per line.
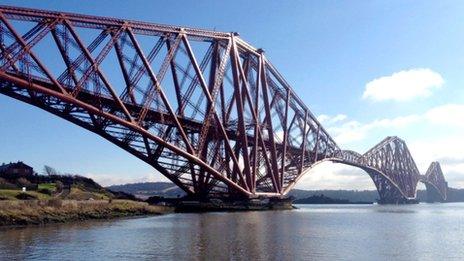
(449,114)
(323,118)
(330,120)
(108,180)
(446,147)
(449,151)
(348,131)
(351,131)
(404,85)
(335,176)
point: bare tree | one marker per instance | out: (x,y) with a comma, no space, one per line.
(50,171)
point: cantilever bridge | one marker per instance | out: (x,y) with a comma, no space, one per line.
(204,108)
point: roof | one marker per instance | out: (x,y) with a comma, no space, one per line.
(18,164)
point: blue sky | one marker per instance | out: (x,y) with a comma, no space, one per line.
(410,53)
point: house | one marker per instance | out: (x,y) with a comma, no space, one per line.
(17,169)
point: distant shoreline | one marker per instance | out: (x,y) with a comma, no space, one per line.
(321,199)
(337,203)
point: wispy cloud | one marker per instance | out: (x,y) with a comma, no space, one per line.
(345,132)
(445,147)
(404,85)
(348,130)
(328,119)
(449,114)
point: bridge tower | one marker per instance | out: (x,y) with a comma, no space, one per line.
(435,184)
(394,171)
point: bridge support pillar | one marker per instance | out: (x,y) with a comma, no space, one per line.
(432,194)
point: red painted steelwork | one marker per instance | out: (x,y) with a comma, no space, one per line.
(204,108)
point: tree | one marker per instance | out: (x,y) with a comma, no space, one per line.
(22,182)
(49,171)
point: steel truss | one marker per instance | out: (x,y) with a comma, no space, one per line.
(435,182)
(393,170)
(204,108)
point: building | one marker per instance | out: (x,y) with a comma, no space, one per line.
(18,169)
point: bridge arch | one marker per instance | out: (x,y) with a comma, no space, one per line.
(390,166)
(388,191)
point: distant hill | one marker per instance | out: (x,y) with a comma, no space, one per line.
(148,189)
(39,186)
(321,199)
(351,195)
(168,189)
(454,195)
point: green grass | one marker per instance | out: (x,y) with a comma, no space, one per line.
(49,186)
(78,193)
(11,194)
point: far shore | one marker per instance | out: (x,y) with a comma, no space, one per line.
(39,212)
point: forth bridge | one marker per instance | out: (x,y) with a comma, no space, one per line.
(205,109)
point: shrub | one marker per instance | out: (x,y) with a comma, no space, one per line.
(25,196)
(59,186)
(45,191)
(22,182)
(55,202)
(4,184)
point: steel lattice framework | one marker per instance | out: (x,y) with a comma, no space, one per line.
(435,181)
(391,167)
(204,108)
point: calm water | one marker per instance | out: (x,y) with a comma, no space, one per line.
(338,232)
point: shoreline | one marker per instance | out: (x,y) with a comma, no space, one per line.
(79,221)
(337,203)
(15,213)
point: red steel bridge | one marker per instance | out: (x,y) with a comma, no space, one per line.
(204,108)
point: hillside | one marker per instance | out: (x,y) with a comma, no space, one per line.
(351,195)
(44,187)
(148,189)
(321,199)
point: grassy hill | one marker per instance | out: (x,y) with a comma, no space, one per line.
(63,198)
(44,187)
(148,189)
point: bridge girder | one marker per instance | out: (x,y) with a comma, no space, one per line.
(204,108)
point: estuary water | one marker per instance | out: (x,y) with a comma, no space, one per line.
(312,232)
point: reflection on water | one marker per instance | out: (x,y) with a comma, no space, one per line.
(321,232)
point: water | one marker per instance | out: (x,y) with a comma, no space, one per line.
(315,232)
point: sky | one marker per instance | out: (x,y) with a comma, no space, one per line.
(367,69)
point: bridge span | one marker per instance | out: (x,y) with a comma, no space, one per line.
(204,108)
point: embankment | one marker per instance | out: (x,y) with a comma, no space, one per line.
(29,212)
